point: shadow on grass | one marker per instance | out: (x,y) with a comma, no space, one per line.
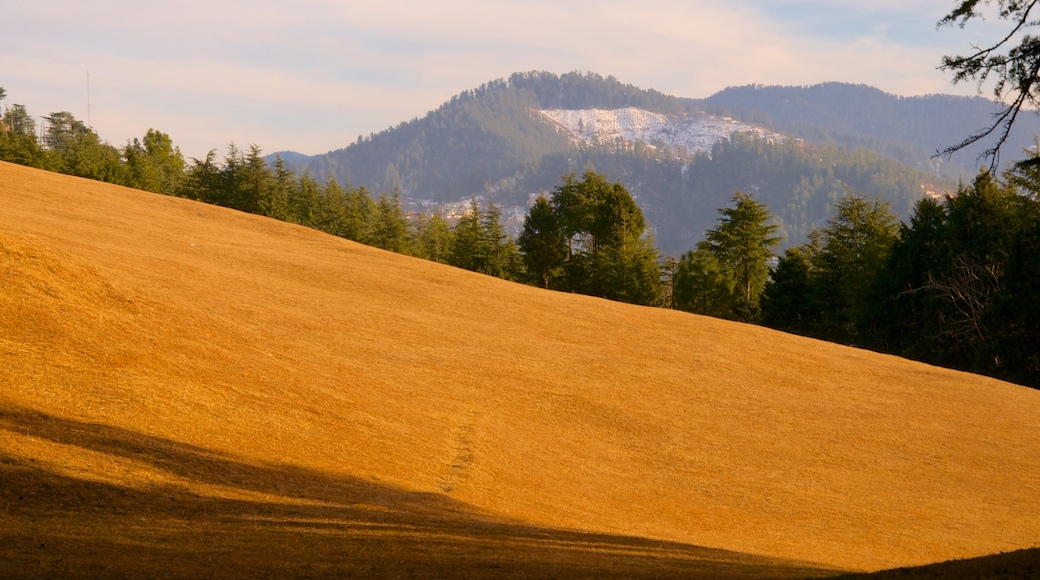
(1016,565)
(56,525)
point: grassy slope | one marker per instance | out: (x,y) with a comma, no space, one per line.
(183,383)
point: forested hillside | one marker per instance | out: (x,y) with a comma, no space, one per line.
(910,129)
(799,184)
(482,139)
(490,141)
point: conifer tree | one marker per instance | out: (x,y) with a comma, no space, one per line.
(276,203)
(330,214)
(702,286)
(542,243)
(390,227)
(856,245)
(305,202)
(467,237)
(360,215)
(432,239)
(743,245)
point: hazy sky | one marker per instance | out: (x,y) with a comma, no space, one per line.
(311,75)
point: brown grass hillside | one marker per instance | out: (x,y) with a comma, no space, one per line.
(188,390)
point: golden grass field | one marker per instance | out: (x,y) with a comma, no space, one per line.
(187,390)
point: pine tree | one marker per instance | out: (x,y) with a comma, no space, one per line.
(856,245)
(390,227)
(542,243)
(702,286)
(743,245)
(432,239)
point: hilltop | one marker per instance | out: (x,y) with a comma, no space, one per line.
(190,390)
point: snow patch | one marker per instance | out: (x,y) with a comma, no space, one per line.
(684,135)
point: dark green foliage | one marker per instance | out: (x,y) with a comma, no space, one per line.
(18,142)
(628,272)
(1016,309)
(702,286)
(155,164)
(305,201)
(787,299)
(361,211)
(478,244)
(329,212)
(465,250)
(956,286)
(742,245)
(432,238)
(604,250)
(948,287)
(274,203)
(821,287)
(79,151)
(799,184)
(389,229)
(855,246)
(542,244)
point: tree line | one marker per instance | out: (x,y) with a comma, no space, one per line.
(955,286)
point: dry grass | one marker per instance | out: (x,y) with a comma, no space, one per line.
(203,390)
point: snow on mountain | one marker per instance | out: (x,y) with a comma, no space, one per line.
(684,135)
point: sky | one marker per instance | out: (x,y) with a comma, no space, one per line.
(312,75)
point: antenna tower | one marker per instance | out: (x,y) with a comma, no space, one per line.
(89,124)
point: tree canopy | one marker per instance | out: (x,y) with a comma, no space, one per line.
(589,238)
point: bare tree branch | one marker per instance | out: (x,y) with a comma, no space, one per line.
(1015,67)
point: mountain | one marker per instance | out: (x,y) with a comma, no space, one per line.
(509,139)
(909,129)
(287,156)
(191,391)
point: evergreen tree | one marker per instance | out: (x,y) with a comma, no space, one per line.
(604,251)
(787,299)
(154,164)
(79,151)
(330,211)
(432,238)
(201,179)
(306,201)
(542,243)
(390,227)
(702,286)
(960,288)
(1015,315)
(275,204)
(903,318)
(18,144)
(360,216)
(497,253)
(629,271)
(256,181)
(743,245)
(466,240)
(856,245)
